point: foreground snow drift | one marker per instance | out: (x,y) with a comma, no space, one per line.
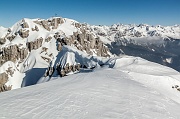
(100,93)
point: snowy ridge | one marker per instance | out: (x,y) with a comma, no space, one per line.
(101,93)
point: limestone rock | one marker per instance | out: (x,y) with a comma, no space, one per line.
(77,25)
(25,25)
(35,45)
(45,25)
(2,41)
(24,33)
(35,29)
(138,34)
(48,60)
(10,38)
(13,53)
(3,81)
(48,39)
(56,21)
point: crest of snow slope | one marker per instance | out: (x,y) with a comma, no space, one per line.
(101,93)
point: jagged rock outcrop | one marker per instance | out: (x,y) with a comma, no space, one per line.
(2,41)
(12,53)
(3,81)
(35,29)
(49,71)
(24,33)
(45,25)
(83,41)
(55,22)
(48,39)
(25,25)
(63,71)
(10,38)
(35,45)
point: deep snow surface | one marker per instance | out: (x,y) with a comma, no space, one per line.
(100,93)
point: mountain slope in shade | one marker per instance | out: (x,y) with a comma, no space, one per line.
(111,91)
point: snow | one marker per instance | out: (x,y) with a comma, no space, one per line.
(118,92)
(117,87)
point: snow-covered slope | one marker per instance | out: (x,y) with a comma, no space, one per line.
(116,90)
(67,71)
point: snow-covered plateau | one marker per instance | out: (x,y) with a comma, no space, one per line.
(62,69)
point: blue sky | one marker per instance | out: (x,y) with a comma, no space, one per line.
(97,12)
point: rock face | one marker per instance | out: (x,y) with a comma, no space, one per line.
(56,21)
(2,41)
(24,33)
(10,38)
(35,29)
(25,25)
(3,81)
(84,42)
(12,53)
(63,71)
(35,45)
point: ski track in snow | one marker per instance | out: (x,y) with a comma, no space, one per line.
(106,93)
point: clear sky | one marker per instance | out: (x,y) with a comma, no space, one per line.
(94,12)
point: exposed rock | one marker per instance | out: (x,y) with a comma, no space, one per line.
(10,38)
(80,38)
(48,60)
(45,25)
(13,53)
(35,45)
(77,25)
(35,29)
(56,21)
(48,39)
(137,34)
(10,71)
(2,41)
(9,30)
(25,25)
(49,71)
(24,33)
(3,81)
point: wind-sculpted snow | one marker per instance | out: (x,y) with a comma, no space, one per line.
(101,93)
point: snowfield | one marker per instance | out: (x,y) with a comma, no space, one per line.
(129,87)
